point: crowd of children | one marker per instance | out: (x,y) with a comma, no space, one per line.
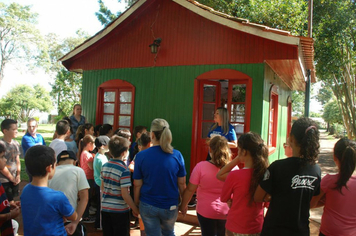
(230,201)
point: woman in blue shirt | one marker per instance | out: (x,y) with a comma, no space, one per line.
(223,127)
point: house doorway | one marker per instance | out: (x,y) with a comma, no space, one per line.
(220,88)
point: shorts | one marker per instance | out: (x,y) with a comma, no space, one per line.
(11,190)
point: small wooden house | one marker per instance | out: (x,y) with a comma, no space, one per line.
(205,59)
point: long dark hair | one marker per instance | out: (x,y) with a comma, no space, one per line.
(345,152)
(253,143)
(306,134)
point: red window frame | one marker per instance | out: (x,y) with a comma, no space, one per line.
(117,86)
(273,118)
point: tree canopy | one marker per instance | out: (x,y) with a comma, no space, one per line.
(22,101)
(19,38)
(105,15)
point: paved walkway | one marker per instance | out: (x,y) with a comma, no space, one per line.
(327,166)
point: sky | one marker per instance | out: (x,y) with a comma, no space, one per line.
(62,17)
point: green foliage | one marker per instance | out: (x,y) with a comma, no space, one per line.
(335,54)
(22,101)
(315,114)
(105,16)
(19,37)
(332,113)
(290,15)
(325,94)
(298,98)
(66,90)
(66,86)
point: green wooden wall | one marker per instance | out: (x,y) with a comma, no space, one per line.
(168,92)
(283,93)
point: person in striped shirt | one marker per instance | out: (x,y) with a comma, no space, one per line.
(115,184)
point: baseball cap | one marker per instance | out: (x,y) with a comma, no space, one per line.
(102,140)
(64,155)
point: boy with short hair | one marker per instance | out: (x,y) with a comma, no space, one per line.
(71,180)
(8,211)
(62,130)
(115,186)
(43,208)
(10,175)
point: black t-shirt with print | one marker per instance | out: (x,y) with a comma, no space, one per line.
(292,184)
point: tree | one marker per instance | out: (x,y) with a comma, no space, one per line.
(18,35)
(298,98)
(66,91)
(66,86)
(105,16)
(325,94)
(23,101)
(335,54)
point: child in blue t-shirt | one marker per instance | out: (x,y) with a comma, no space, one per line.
(43,209)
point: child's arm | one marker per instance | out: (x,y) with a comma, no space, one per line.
(82,204)
(72,217)
(187,195)
(127,198)
(181,185)
(137,188)
(261,195)
(8,175)
(223,172)
(18,165)
(315,201)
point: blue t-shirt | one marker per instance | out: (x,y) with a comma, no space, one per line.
(43,210)
(159,172)
(75,124)
(29,141)
(72,146)
(230,136)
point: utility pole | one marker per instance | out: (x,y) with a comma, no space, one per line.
(308,82)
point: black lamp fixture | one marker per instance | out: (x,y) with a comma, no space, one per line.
(155,45)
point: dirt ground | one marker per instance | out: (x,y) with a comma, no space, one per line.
(325,161)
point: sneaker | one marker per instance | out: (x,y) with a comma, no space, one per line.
(88,220)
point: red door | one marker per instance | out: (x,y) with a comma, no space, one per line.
(233,94)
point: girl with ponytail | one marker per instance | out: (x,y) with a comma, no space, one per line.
(159,176)
(338,193)
(291,183)
(211,211)
(245,216)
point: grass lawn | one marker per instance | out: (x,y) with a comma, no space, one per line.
(46,131)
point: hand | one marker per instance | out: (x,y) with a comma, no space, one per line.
(135,213)
(71,227)
(183,210)
(229,203)
(15,212)
(17,180)
(14,205)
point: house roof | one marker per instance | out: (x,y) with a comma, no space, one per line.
(304,44)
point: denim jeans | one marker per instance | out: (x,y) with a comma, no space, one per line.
(158,221)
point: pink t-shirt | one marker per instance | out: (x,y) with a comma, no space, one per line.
(339,217)
(243,218)
(85,158)
(209,191)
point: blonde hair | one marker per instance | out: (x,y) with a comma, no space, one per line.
(163,134)
(224,120)
(220,151)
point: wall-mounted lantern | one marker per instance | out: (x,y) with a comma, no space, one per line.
(155,45)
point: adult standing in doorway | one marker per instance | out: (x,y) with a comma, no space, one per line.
(159,176)
(223,127)
(77,119)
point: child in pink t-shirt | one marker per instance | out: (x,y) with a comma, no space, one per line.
(338,193)
(86,163)
(211,211)
(245,216)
